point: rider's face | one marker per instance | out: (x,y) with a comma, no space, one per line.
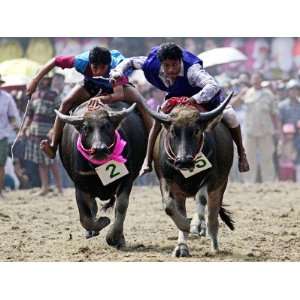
(171,67)
(99,70)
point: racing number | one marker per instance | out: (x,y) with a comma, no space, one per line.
(112,171)
(200,163)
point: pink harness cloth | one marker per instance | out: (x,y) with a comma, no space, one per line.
(115,155)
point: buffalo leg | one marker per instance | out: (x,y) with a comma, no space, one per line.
(213,207)
(181,250)
(198,225)
(115,236)
(169,203)
(87,207)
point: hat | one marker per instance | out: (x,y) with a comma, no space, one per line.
(281,85)
(293,83)
(288,128)
(1,80)
(265,83)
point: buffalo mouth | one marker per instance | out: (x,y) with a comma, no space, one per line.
(100,154)
(188,165)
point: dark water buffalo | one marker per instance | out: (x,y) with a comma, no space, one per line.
(187,133)
(97,129)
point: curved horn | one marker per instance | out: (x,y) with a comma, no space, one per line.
(73,120)
(159,116)
(122,112)
(207,116)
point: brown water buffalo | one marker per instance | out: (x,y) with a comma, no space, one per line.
(97,130)
(184,172)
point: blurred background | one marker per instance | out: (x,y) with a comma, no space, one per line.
(276,59)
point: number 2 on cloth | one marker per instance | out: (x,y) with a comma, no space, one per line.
(112,171)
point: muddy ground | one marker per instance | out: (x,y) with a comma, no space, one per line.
(267,219)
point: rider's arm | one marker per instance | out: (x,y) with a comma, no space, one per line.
(197,76)
(135,63)
(58,61)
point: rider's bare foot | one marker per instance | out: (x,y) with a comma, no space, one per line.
(243,163)
(146,168)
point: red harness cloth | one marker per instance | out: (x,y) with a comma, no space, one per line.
(170,103)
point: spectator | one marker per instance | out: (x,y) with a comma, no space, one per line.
(289,109)
(282,53)
(156,98)
(287,154)
(260,54)
(297,145)
(21,174)
(280,90)
(58,85)
(8,116)
(261,106)
(38,122)
(10,175)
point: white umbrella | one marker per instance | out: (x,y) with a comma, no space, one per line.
(220,56)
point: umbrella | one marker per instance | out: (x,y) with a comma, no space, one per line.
(219,56)
(17,71)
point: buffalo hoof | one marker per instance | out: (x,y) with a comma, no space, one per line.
(181,250)
(202,232)
(91,233)
(194,230)
(114,240)
(198,230)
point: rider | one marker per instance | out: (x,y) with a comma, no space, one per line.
(180,73)
(95,65)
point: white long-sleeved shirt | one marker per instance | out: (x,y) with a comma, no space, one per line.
(196,75)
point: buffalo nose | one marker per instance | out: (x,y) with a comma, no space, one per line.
(101,149)
(185,162)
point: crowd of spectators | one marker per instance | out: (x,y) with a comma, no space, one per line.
(266,97)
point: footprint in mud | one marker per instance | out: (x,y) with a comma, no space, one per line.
(4,217)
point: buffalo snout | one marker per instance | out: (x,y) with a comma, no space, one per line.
(99,150)
(185,163)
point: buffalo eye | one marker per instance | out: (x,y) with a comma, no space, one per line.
(196,131)
(105,126)
(87,128)
(175,131)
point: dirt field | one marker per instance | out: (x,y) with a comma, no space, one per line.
(47,229)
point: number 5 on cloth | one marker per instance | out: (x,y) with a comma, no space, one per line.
(111,171)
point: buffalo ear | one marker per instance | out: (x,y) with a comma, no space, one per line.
(166,125)
(78,127)
(116,120)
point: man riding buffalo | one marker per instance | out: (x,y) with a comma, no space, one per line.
(181,74)
(95,65)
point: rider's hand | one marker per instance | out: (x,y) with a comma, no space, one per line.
(94,103)
(114,74)
(31,87)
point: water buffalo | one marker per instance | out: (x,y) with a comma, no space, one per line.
(93,137)
(184,172)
